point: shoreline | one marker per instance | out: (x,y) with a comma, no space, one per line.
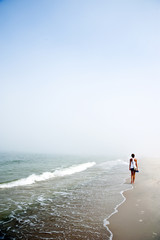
(106,221)
(138,217)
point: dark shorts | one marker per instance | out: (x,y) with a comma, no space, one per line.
(132,169)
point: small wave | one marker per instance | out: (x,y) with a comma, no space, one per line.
(111,164)
(47,175)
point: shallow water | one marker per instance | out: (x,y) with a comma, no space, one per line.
(58,197)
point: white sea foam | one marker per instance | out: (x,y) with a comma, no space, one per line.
(106,221)
(47,175)
(111,164)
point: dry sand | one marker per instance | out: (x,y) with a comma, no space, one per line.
(138,218)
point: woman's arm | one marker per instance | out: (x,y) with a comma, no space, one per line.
(130,165)
(136,163)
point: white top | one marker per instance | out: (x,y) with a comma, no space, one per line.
(133,163)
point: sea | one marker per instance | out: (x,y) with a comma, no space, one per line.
(61,197)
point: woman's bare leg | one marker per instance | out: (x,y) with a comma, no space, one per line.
(132,177)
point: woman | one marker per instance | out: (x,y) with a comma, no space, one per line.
(133,167)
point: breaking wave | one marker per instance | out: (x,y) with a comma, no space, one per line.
(47,175)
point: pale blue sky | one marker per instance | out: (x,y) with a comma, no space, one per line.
(80,76)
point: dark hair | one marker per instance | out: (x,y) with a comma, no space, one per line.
(132,155)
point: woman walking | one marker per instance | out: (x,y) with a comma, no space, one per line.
(133,167)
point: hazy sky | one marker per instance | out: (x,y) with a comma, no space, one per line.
(80,76)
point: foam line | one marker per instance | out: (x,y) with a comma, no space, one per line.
(106,222)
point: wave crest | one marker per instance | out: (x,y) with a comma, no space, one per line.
(47,175)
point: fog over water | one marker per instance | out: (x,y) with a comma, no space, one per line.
(80,77)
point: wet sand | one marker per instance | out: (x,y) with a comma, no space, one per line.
(139,216)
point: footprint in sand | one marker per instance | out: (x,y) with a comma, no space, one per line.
(140,220)
(154,234)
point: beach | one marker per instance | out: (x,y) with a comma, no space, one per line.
(59,197)
(139,216)
(64,197)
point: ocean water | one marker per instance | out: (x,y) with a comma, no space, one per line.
(59,197)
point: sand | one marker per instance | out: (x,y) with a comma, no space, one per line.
(139,216)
